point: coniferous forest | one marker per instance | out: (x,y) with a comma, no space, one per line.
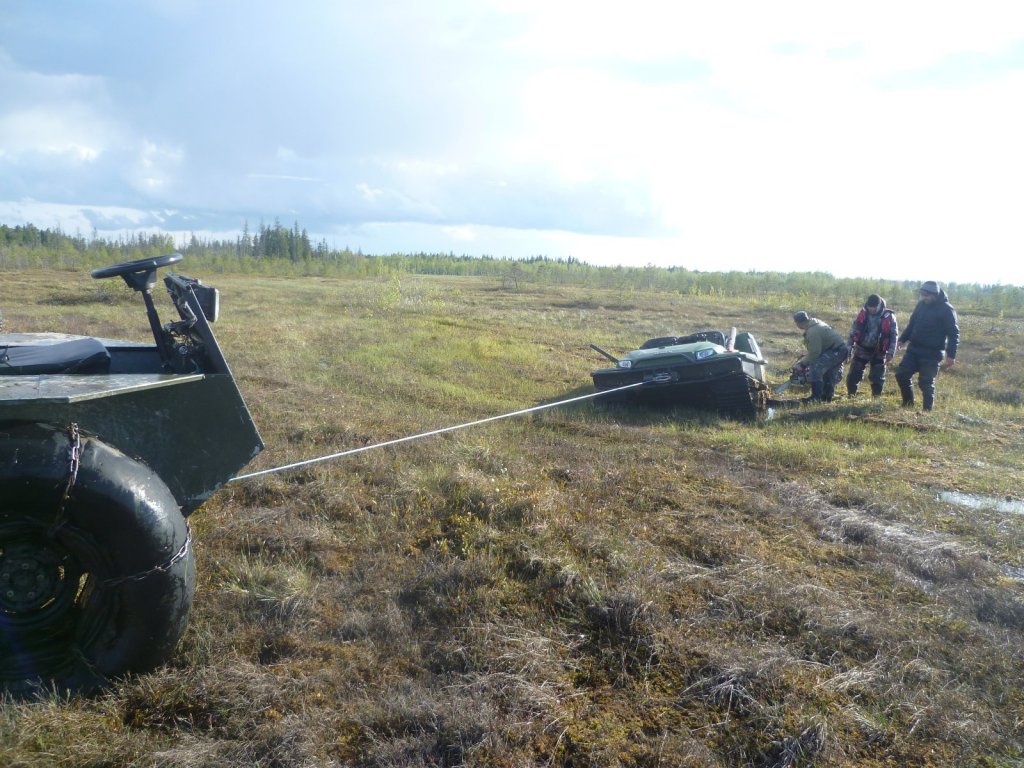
(284,250)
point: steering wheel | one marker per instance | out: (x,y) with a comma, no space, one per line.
(139,265)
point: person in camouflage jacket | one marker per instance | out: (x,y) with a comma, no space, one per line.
(826,353)
(874,339)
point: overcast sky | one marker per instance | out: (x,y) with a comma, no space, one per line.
(876,139)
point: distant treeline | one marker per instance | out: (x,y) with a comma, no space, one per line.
(282,250)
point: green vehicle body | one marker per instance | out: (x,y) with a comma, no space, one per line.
(704,370)
(106,448)
(193,429)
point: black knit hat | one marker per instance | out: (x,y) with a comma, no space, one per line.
(801,317)
(929,286)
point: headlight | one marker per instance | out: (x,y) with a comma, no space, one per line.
(703,354)
(625,363)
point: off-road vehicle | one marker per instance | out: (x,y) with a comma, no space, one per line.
(106,448)
(699,370)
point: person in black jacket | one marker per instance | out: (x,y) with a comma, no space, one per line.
(933,333)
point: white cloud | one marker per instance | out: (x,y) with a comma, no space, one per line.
(52,131)
(368,193)
(52,115)
(155,167)
(280,177)
(792,135)
(460,234)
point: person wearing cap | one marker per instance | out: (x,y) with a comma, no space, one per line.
(826,353)
(932,335)
(874,339)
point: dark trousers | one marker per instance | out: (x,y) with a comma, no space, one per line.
(825,372)
(925,363)
(856,374)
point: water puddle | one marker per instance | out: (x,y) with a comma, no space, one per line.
(1014,572)
(972,501)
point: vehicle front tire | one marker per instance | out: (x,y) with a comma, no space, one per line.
(97,571)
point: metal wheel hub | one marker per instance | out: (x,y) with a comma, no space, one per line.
(31,577)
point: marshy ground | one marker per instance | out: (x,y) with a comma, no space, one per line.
(586,586)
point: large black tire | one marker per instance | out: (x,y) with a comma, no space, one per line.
(97,572)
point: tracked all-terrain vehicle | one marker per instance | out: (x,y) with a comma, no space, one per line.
(705,370)
(106,448)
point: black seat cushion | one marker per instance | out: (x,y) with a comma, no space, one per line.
(84,355)
(715,337)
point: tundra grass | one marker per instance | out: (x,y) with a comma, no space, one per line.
(587,585)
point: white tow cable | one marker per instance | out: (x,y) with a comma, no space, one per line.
(429,434)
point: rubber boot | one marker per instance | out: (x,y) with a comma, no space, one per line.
(828,389)
(817,393)
(907,391)
(877,379)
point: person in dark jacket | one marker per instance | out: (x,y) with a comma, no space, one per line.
(873,341)
(933,333)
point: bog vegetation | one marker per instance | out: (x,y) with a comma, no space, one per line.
(587,586)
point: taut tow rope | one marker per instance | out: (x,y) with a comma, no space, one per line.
(361,449)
